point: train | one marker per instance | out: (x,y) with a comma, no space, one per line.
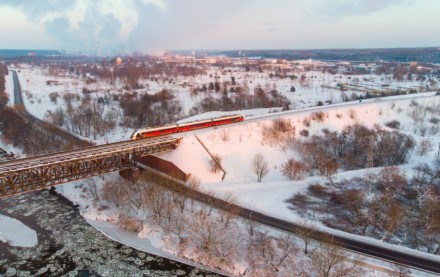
(184,127)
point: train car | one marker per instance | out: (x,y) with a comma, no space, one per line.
(227,119)
(154,132)
(184,127)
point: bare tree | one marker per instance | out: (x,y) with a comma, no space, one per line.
(213,242)
(114,192)
(250,226)
(216,163)
(306,233)
(329,260)
(155,199)
(268,256)
(224,135)
(260,166)
(424,147)
(392,179)
(92,191)
(261,253)
(192,185)
(327,168)
(130,224)
(135,194)
(227,215)
(286,254)
(400,270)
(294,170)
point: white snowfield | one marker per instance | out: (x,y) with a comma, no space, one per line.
(15,233)
(237,144)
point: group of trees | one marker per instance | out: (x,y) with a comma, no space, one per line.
(88,118)
(151,109)
(388,206)
(209,236)
(3,96)
(425,118)
(28,136)
(132,72)
(355,147)
(240,99)
(279,132)
(197,229)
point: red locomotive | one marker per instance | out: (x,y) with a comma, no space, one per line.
(184,127)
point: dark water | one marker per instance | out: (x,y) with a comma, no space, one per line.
(69,246)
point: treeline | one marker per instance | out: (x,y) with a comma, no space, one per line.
(358,147)
(237,98)
(216,238)
(88,118)
(150,109)
(28,136)
(132,74)
(3,96)
(388,206)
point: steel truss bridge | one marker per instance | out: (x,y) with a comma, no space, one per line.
(37,172)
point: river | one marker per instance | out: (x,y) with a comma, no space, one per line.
(69,246)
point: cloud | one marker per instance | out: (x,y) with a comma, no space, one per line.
(37,9)
(181,22)
(139,25)
(95,29)
(350,7)
(82,25)
(151,26)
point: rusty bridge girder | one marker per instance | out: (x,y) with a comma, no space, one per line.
(34,173)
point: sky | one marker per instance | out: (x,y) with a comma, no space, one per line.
(153,26)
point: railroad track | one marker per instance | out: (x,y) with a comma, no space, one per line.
(82,153)
(23,175)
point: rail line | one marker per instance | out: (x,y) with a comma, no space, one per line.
(37,172)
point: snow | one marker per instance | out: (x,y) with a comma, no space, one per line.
(9,87)
(237,144)
(15,233)
(149,245)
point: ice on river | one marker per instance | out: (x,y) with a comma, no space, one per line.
(15,233)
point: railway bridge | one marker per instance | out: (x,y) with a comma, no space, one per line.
(23,175)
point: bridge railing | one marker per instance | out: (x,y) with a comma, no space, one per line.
(39,172)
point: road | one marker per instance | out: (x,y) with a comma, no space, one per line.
(21,109)
(352,244)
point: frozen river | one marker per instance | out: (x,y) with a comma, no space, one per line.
(69,246)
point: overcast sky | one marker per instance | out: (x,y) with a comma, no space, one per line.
(152,26)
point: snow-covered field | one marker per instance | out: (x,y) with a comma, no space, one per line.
(238,144)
